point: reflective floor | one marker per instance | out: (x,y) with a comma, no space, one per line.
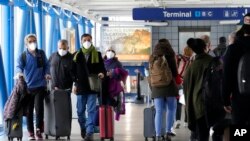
(129,128)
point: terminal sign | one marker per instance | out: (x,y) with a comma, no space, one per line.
(189,13)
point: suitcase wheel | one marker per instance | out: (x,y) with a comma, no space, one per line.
(112,139)
(154,138)
(102,139)
(46,137)
(19,139)
(146,139)
(57,137)
(68,138)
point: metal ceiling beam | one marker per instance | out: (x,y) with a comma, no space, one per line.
(71,8)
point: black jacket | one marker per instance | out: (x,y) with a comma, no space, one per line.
(231,61)
(61,70)
(83,68)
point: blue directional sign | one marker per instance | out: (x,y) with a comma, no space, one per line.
(189,13)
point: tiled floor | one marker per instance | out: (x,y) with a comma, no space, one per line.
(129,128)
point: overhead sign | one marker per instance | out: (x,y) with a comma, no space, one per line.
(189,13)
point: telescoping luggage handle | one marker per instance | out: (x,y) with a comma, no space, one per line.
(149,97)
(101,98)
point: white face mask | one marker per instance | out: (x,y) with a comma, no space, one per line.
(86,45)
(62,52)
(32,46)
(110,54)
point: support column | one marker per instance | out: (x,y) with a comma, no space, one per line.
(81,27)
(7,44)
(49,34)
(39,23)
(3,88)
(20,29)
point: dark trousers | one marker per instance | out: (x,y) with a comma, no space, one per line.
(178,110)
(202,129)
(35,100)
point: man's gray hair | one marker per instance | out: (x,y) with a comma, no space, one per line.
(63,41)
(28,36)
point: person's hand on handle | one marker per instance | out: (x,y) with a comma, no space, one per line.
(101,75)
(228,109)
(56,88)
(47,77)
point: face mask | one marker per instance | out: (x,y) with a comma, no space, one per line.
(62,52)
(32,46)
(110,55)
(86,45)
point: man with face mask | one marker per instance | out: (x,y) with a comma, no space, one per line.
(34,66)
(236,103)
(61,67)
(88,66)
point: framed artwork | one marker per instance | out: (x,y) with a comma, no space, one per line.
(130,43)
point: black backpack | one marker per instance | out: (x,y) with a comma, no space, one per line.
(40,58)
(244,74)
(212,92)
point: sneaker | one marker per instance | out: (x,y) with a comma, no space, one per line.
(172,133)
(89,137)
(31,136)
(168,137)
(39,135)
(177,124)
(83,133)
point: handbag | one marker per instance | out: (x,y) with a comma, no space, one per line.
(94,83)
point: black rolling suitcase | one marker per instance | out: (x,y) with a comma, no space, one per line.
(58,114)
(14,128)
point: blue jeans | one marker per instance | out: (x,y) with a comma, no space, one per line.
(88,100)
(164,106)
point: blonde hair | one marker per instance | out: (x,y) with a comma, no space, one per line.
(187,51)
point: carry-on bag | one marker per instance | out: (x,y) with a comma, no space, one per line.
(106,119)
(58,114)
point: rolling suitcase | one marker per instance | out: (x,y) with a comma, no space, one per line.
(58,114)
(149,121)
(14,128)
(106,120)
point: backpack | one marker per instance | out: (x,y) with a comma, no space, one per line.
(40,58)
(244,74)
(212,92)
(160,74)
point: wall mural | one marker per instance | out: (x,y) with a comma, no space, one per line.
(130,43)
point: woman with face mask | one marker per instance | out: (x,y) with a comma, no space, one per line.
(116,80)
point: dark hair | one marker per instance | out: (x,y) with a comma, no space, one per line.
(86,35)
(163,40)
(163,48)
(197,45)
(247,15)
(222,39)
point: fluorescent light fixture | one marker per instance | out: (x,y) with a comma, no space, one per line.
(128,23)
(234,22)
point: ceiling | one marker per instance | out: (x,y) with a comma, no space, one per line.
(95,9)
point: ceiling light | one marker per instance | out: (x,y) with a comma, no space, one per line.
(234,22)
